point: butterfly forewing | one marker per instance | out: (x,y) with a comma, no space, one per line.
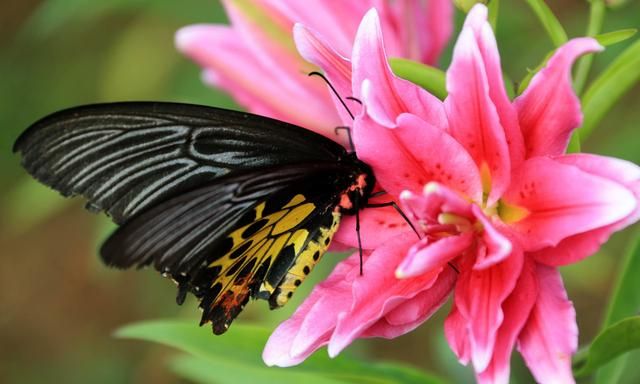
(125,157)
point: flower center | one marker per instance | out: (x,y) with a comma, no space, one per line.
(461,224)
(510,213)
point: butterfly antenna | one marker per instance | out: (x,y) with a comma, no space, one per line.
(335,92)
(376,194)
(354,99)
(404,216)
(357,200)
(399,210)
(348,129)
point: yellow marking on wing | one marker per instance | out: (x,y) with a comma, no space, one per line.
(293,218)
(271,220)
(259,209)
(297,199)
(277,231)
(305,262)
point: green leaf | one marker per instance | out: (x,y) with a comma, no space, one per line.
(549,22)
(615,37)
(494,8)
(430,78)
(624,302)
(609,87)
(243,345)
(228,371)
(574,143)
(625,299)
(617,339)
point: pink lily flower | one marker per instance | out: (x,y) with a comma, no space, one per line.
(497,202)
(256,61)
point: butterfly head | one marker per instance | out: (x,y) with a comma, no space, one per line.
(356,195)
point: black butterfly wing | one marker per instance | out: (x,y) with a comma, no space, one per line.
(256,234)
(126,157)
(230,205)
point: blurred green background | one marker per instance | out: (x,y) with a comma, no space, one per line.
(59,305)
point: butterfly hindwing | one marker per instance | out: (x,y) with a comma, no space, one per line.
(252,235)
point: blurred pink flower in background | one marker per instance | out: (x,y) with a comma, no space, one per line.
(497,202)
(256,61)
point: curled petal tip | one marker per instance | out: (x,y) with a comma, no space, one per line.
(370,18)
(186,37)
(478,12)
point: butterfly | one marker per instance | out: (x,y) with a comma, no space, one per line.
(229,205)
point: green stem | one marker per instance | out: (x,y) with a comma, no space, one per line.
(596,18)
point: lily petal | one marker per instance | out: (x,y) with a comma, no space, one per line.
(297,334)
(203,44)
(477,22)
(498,247)
(457,333)
(435,19)
(517,308)
(445,161)
(387,96)
(479,298)
(548,109)
(377,225)
(324,17)
(425,255)
(562,201)
(377,292)
(577,247)
(336,67)
(413,312)
(347,305)
(550,336)
(473,118)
